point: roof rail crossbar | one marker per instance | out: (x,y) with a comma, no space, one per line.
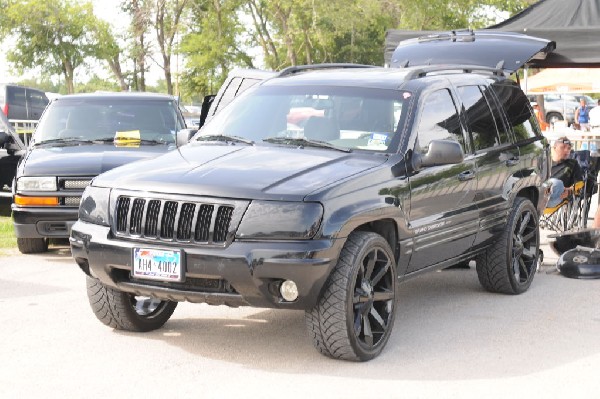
(427,69)
(464,35)
(301,68)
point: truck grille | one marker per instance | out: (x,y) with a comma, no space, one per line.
(172,220)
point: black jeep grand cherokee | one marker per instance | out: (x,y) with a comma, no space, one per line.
(320,189)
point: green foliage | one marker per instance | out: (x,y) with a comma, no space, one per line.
(211,37)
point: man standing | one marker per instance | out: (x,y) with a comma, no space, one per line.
(565,172)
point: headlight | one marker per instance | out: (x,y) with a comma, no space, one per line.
(278,220)
(94,205)
(28,183)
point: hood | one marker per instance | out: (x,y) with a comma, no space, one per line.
(83,160)
(234,171)
(494,49)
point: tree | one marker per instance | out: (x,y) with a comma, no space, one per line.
(55,36)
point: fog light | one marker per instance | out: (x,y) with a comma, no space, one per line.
(289,290)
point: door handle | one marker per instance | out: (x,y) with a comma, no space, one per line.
(466,175)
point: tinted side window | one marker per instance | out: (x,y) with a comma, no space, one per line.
(36,99)
(518,111)
(480,122)
(229,93)
(16,96)
(439,121)
(503,131)
(246,84)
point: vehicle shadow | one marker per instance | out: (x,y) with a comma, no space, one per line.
(447,328)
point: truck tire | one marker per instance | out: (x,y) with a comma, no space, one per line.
(32,245)
(552,117)
(355,313)
(124,311)
(509,265)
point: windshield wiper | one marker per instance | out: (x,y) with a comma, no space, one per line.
(304,142)
(226,138)
(63,140)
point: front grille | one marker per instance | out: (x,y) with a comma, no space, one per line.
(72,201)
(76,184)
(172,220)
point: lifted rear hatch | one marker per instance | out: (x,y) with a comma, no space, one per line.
(494,49)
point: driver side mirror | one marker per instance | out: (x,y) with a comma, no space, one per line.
(184,136)
(440,152)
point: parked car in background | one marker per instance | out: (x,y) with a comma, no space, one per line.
(22,103)
(560,107)
(321,188)
(11,150)
(78,137)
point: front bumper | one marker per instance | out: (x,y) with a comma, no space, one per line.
(244,273)
(39,222)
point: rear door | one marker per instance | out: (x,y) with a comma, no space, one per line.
(497,157)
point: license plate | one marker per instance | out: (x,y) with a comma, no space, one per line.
(157,264)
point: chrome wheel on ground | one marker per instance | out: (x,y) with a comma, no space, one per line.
(125,311)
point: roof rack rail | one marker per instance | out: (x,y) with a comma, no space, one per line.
(464,35)
(427,69)
(301,68)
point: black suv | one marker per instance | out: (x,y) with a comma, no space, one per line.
(78,137)
(320,189)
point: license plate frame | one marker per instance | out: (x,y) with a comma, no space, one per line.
(157,264)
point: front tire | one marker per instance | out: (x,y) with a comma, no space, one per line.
(124,311)
(32,245)
(355,313)
(509,265)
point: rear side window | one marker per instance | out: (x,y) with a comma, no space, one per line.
(37,99)
(520,116)
(16,96)
(503,130)
(439,121)
(479,118)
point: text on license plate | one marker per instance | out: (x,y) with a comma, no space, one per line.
(157,264)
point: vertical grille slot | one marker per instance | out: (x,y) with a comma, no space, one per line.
(135,220)
(167,223)
(122,211)
(186,217)
(222,223)
(202,230)
(151,228)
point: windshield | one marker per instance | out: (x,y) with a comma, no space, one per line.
(109,120)
(345,117)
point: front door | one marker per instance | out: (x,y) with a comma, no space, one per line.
(443,214)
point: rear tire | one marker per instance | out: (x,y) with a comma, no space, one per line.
(124,311)
(509,265)
(32,245)
(355,313)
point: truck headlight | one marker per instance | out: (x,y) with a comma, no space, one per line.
(94,205)
(31,183)
(278,220)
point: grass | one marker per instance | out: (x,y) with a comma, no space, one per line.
(8,241)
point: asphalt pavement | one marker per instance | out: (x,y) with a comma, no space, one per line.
(451,339)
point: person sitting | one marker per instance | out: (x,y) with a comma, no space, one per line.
(565,172)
